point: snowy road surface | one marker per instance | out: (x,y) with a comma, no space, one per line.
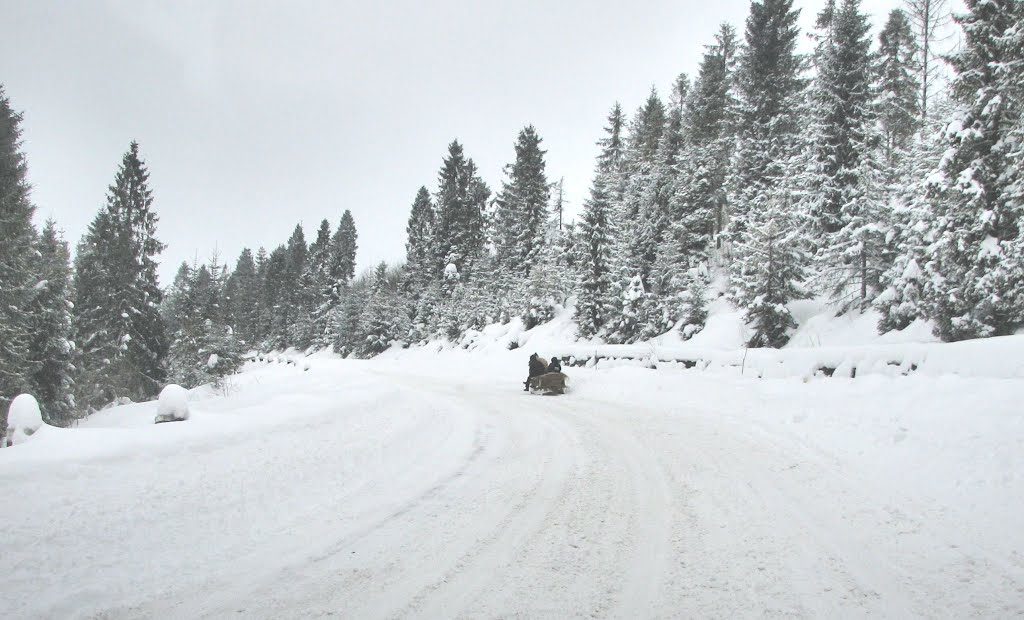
(429,490)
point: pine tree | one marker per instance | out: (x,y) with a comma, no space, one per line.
(319,285)
(898,87)
(51,348)
(120,331)
(979,213)
(17,279)
(343,252)
(419,244)
(242,294)
(843,98)
(642,219)
(384,321)
(769,87)
(928,18)
(770,273)
(297,321)
(711,124)
(203,348)
(597,233)
(274,298)
(461,200)
(521,207)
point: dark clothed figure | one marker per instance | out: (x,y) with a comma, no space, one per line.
(555,365)
(536,370)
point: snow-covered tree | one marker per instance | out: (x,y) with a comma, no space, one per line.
(978,233)
(242,300)
(770,273)
(17,257)
(51,349)
(119,329)
(898,88)
(521,207)
(461,199)
(769,86)
(343,253)
(419,244)
(711,124)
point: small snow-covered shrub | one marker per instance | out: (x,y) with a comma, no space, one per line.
(23,419)
(172,405)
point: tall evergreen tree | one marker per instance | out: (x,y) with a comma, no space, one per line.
(298,294)
(711,122)
(242,294)
(343,251)
(978,241)
(898,87)
(596,241)
(522,207)
(928,19)
(17,280)
(51,348)
(120,331)
(419,244)
(461,200)
(769,86)
(317,281)
(844,106)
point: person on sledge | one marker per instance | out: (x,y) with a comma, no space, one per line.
(536,369)
(555,365)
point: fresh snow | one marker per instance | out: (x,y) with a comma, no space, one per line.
(425,483)
(172,404)
(23,418)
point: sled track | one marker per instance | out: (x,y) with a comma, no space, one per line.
(445,499)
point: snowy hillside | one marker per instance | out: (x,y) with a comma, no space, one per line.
(427,484)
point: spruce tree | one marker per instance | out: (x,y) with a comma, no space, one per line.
(898,88)
(593,310)
(419,244)
(769,85)
(711,124)
(298,293)
(521,207)
(844,107)
(770,273)
(978,243)
(120,331)
(242,294)
(17,277)
(51,349)
(461,200)
(319,285)
(343,252)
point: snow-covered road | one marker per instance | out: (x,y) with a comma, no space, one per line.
(405,489)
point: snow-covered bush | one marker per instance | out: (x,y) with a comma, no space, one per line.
(23,419)
(173,404)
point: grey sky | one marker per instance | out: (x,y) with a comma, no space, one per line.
(253,116)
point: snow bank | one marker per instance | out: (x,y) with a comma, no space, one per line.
(172,405)
(23,419)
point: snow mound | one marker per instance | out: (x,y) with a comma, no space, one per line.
(172,405)
(23,419)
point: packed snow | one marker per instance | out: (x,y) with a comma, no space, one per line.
(425,483)
(172,405)
(23,418)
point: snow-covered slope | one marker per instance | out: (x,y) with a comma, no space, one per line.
(427,484)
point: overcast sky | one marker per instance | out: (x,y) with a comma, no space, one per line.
(254,116)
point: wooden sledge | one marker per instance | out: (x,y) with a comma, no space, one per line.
(550,383)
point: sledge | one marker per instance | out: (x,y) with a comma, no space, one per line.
(549,384)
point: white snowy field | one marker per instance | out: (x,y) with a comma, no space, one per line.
(429,485)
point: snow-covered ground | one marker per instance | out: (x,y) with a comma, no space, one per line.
(427,484)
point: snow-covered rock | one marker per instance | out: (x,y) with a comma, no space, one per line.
(172,405)
(23,419)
